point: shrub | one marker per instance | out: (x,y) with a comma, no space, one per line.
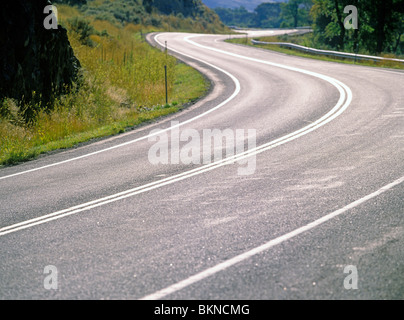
(82,28)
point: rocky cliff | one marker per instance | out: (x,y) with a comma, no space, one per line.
(32,57)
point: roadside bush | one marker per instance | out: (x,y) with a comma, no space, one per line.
(82,29)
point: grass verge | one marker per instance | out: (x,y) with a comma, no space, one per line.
(122,86)
(92,114)
(295,39)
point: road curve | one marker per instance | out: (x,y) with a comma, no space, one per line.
(325,192)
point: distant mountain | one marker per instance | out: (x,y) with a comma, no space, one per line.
(250,5)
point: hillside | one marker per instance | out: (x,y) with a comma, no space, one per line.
(250,5)
(290,14)
(180,15)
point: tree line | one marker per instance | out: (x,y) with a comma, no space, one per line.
(380,25)
(380,22)
(294,13)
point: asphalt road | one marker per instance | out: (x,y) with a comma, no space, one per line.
(320,188)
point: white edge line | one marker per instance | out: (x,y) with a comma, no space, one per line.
(248,254)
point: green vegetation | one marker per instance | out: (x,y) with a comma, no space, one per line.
(292,14)
(380,23)
(296,13)
(121,85)
(380,27)
(178,15)
(250,5)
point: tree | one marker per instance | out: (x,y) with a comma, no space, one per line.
(267,15)
(295,11)
(386,18)
(380,24)
(240,17)
(399,33)
(186,7)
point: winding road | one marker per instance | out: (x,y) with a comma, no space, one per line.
(321,194)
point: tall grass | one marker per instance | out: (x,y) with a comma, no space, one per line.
(122,85)
(128,63)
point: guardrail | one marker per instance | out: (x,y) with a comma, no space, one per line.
(329,53)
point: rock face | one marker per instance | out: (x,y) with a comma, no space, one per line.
(32,57)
